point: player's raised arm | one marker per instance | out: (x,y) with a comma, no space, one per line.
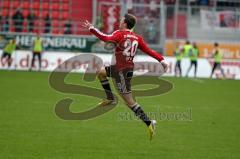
(104,37)
(143,46)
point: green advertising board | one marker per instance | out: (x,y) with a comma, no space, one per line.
(52,43)
(62,43)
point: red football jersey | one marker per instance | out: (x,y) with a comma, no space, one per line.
(127,43)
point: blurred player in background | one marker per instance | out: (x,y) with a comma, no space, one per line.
(37,51)
(193,54)
(7,52)
(217,55)
(187,48)
(127,43)
(179,55)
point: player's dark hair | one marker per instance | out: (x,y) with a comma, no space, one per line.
(216,44)
(130,20)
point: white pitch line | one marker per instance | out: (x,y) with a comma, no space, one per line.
(196,80)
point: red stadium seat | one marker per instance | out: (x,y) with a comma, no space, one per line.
(15,4)
(25,12)
(12,29)
(6,4)
(11,12)
(25,26)
(40,26)
(65,7)
(26,5)
(36,5)
(5,12)
(55,15)
(44,13)
(45,6)
(65,15)
(55,27)
(55,23)
(55,6)
(61,27)
(36,26)
(36,13)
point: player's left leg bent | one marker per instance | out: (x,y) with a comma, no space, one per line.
(102,76)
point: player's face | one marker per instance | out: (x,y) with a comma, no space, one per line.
(122,24)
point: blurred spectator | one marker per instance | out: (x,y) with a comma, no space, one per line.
(187,48)
(68,27)
(18,19)
(30,19)
(47,24)
(193,58)
(179,55)
(151,32)
(7,52)
(37,51)
(217,55)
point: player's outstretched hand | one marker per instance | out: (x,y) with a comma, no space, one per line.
(165,65)
(86,24)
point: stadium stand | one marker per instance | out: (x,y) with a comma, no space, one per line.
(58,11)
(181,29)
(62,11)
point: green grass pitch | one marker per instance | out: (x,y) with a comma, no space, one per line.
(29,127)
